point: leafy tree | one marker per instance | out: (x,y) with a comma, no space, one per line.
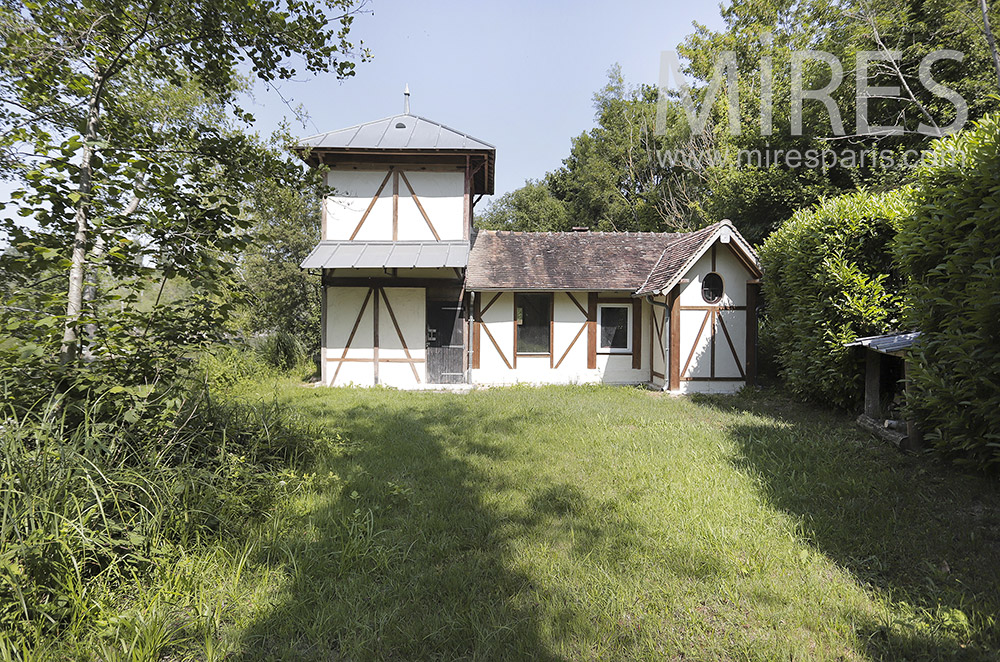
(282,298)
(531,208)
(759,197)
(127,110)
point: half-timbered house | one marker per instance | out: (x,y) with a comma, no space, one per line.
(414,296)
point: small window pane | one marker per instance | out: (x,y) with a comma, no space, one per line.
(711,288)
(614,327)
(533,323)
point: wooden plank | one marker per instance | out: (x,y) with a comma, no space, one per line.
(390,360)
(395,205)
(751,337)
(675,338)
(477,322)
(711,343)
(711,379)
(873,384)
(732,347)
(552,329)
(402,341)
(375,334)
(323,334)
(397,162)
(466,202)
(371,204)
(591,330)
(514,298)
(637,334)
(453,159)
(658,328)
(350,338)
(402,281)
(713,254)
(652,339)
(420,206)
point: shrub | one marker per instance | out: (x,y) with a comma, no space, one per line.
(829,279)
(949,249)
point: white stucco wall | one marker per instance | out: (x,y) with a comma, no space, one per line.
(659,342)
(343,305)
(442,195)
(734,276)
(570,355)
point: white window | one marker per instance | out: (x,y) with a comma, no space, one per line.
(616,327)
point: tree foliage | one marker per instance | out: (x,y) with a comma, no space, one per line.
(759,198)
(282,298)
(949,250)
(121,121)
(531,208)
(829,278)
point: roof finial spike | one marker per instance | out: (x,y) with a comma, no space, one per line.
(406,99)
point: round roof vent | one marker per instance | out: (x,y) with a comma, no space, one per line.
(400,125)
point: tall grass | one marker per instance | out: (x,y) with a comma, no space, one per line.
(100,497)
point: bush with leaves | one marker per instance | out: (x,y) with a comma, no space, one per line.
(829,279)
(949,249)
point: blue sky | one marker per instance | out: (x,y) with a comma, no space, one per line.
(520,75)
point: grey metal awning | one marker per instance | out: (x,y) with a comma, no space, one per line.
(891,343)
(387,254)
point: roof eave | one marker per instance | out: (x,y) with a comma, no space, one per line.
(752,261)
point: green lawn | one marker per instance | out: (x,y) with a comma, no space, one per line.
(574,523)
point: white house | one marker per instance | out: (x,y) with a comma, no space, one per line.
(414,296)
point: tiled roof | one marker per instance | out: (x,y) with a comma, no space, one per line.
(674,257)
(579,260)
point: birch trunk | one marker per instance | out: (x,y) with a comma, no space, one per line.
(74,298)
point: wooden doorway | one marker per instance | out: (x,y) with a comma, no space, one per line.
(445,336)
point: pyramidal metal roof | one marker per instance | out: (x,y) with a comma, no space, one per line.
(398,132)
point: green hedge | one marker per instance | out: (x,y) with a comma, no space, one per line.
(949,249)
(828,279)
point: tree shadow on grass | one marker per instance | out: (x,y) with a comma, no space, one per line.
(908,528)
(410,558)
